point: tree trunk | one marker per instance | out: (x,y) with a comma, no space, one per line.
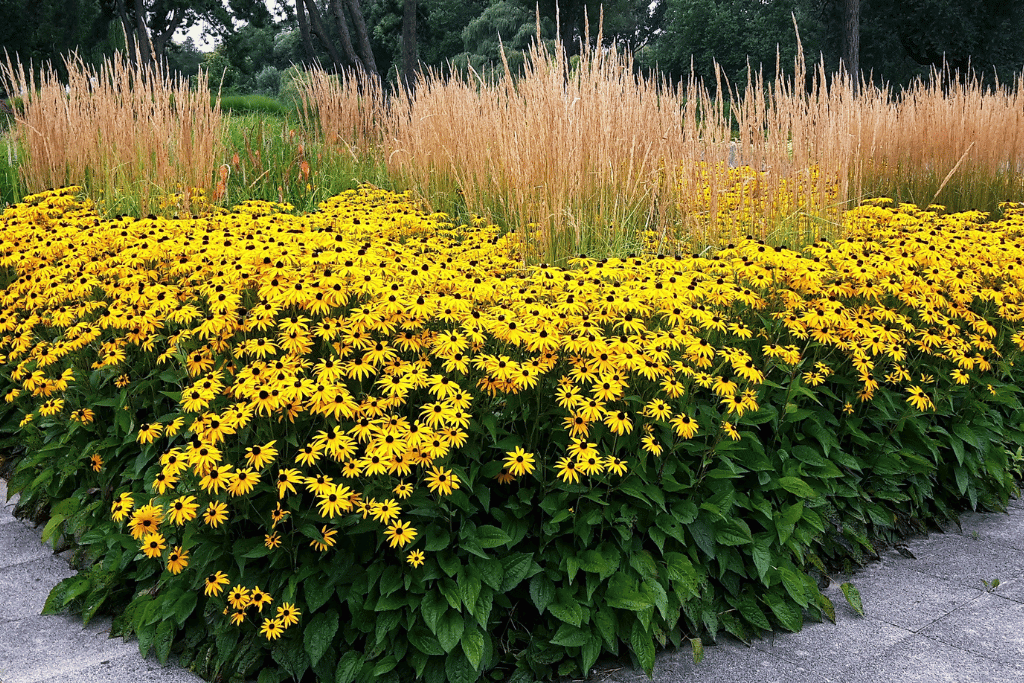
(316,25)
(129,31)
(346,39)
(851,41)
(307,42)
(161,38)
(362,36)
(142,34)
(409,60)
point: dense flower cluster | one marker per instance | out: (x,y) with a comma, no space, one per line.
(338,362)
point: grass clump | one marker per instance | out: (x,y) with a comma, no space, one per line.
(127,133)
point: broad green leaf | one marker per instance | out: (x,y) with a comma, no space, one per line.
(789,615)
(318,634)
(349,666)
(473,646)
(570,636)
(797,486)
(566,608)
(516,566)
(542,591)
(853,597)
(459,670)
(643,648)
(432,608)
(449,630)
(489,536)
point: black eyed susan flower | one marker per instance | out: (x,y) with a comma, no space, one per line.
(326,541)
(238,597)
(288,614)
(441,480)
(153,545)
(568,470)
(259,598)
(415,558)
(177,560)
(385,511)
(519,462)
(400,534)
(216,513)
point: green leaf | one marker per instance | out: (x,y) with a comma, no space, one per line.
(703,535)
(671,526)
(570,636)
(459,670)
(52,526)
(317,593)
(164,639)
(516,566)
(643,647)
(184,607)
(622,593)
(319,634)
(349,666)
(566,608)
(789,615)
(698,650)
(794,585)
(491,536)
(473,646)
(542,591)
(449,630)
(491,572)
(853,597)
(734,532)
(797,487)
(425,641)
(432,608)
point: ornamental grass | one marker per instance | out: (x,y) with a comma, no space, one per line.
(366,443)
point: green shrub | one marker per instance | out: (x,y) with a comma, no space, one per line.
(252,104)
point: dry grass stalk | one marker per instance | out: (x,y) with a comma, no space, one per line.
(121,128)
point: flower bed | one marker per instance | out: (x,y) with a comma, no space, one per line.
(366,444)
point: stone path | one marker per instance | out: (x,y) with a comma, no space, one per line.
(929,619)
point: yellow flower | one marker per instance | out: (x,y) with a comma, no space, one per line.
(215,583)
(288,614)
(385,511)
(182,510)
(685,426)
(567,470)
(519,462)
(615,464)
(919,399)
(149,433)
(400,534)
(258,598)
(403,490)
(272,541)
(442,481)
(327,541)
(415,558)
(153,545)
(177,560)
(272,628)
(216,514)
(238,597)
(96,463)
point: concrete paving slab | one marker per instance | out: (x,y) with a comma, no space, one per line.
(55,646)
(1017,503)
(1012,589)
(1001,528)
(24,587)
(919,659)
(901,596)
(991,626)
(829,649)
(730,661)
(960,559)
(129,668)
(19,543)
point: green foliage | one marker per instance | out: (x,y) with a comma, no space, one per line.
(252,104)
